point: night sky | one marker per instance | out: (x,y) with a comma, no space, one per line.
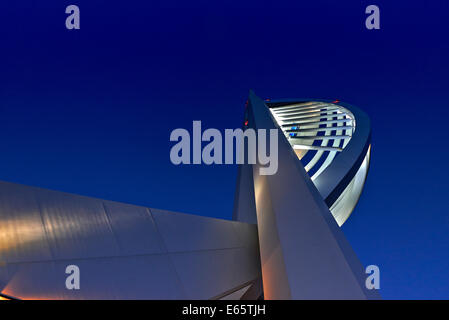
(90,111)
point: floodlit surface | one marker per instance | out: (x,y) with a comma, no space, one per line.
(345,204)
(148,253)
(304,254)
(322,129)
(319,132)
(285,231)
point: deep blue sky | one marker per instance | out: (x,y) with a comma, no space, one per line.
(91,111)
